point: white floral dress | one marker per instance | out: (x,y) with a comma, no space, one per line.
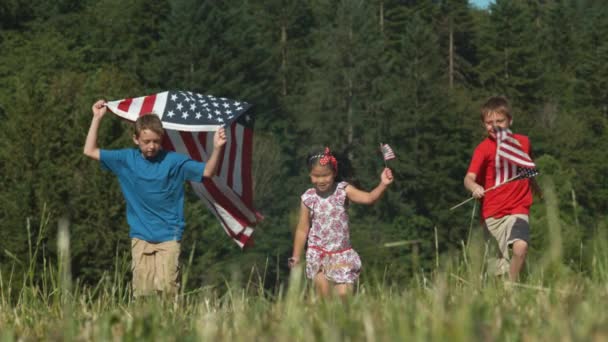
(329,249)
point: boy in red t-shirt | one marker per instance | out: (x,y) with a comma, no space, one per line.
(505,209)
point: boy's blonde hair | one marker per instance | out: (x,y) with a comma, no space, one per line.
(149,121)
(496,104)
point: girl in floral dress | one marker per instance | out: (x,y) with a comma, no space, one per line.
(331,262)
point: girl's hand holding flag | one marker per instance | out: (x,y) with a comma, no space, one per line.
(387,153)
(387,176)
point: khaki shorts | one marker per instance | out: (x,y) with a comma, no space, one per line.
(155,267)
(506,230)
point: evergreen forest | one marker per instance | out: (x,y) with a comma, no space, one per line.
(349,74)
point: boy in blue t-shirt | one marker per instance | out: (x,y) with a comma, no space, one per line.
(152,182)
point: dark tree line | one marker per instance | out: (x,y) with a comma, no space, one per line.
(349,74)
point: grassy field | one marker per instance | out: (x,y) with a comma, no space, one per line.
(457,302)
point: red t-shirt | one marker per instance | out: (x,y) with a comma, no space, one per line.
(512,198)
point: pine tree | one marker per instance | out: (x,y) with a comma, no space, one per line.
(587,156)
(455,25)
(508,60)
(44,172)
(342,61)
(427,127)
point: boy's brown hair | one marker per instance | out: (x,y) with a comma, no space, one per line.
(496,104)
(149,121)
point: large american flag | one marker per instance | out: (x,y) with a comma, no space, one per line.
(511,161)
(190,120)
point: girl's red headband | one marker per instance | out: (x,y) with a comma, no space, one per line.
(326,158)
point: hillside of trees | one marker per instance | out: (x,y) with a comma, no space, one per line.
(348,74)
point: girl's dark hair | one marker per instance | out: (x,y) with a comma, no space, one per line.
(345,167)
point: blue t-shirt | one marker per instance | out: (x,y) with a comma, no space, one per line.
(153,190)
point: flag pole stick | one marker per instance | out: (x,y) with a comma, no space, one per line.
(462,203)
(484,192)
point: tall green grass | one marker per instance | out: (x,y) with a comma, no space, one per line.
(456,301)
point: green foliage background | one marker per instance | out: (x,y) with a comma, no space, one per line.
(349,74)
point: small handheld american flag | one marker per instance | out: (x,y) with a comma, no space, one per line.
(511,159)
(522,173)
(387,152)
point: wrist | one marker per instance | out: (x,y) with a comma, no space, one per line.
(291,262)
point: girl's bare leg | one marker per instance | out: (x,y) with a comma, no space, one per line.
(322,285)
(343,290)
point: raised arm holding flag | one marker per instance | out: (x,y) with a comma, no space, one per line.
(189,120)
(214,159)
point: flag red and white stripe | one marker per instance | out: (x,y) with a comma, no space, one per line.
(387,152)
(228,195)
(510,157)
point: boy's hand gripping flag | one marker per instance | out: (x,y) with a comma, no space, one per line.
(190,120)
(512,163)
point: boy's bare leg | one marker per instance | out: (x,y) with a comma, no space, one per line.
(519,250)
(322,285)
